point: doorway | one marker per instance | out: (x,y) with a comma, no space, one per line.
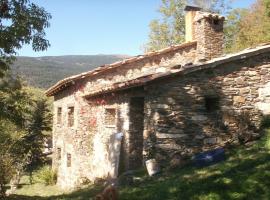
(136,116)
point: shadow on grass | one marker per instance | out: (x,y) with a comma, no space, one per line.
(82,194)
(244,175)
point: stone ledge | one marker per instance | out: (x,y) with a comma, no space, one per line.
(170,136)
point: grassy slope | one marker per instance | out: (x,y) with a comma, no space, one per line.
(244,175)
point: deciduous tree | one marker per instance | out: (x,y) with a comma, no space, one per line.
(170,29)
(21,22)
(253,27)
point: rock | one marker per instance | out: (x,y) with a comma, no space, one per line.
(177,162)
(264,71)
(168,146)
(264,107)
(240,80)
(244,91)
(199,137)
(170,136)
(228,80)
(213,140)
(248,144)
(239,99)
(251,73)
(199,118)
(163,106)
(175,130)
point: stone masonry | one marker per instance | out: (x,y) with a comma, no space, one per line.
(180,121)
(177,101)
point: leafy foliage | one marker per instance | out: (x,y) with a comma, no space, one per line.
(47,175)
(23,122)
(8,135)
(35,139)
(231,28)
(253,26)
(21,22)
(170,29)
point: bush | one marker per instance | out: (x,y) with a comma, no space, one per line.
(265,123)
(7,171)
(267,140)
(47,176)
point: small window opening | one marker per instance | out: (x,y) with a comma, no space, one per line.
(110,116)
(70,116)
(211,104)
(68,160)
(59,115)
(59,153)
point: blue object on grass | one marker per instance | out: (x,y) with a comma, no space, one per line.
(209,157)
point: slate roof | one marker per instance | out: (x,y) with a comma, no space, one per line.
(175,70)
(262,48)
(69,80)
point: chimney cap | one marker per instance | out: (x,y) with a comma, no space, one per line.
(192,8)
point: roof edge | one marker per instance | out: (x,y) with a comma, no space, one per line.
(246,53)
(67,81)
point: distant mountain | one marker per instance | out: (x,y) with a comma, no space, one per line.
(43,72)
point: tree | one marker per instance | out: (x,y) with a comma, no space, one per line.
(21,22)
(267,7)
(231,28)
(253,27)
(34,141)
(170,29)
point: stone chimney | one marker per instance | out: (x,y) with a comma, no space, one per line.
(207,29)
(189,22)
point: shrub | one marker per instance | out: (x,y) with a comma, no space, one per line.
(265,123)
(7,171)
(267,140)
(47,176)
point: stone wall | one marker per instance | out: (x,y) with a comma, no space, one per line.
(207,108)
(183,115)
(91,142)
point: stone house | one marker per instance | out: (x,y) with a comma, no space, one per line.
(180,100)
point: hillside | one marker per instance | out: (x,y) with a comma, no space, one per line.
(43,72)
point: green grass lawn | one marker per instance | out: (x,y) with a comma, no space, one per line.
(244,175)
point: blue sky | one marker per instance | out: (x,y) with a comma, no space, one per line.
(87,27)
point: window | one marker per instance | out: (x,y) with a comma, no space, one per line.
(68,160)
(59,115)
(59,153)
(110,116)
(70,116)
(212,103)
